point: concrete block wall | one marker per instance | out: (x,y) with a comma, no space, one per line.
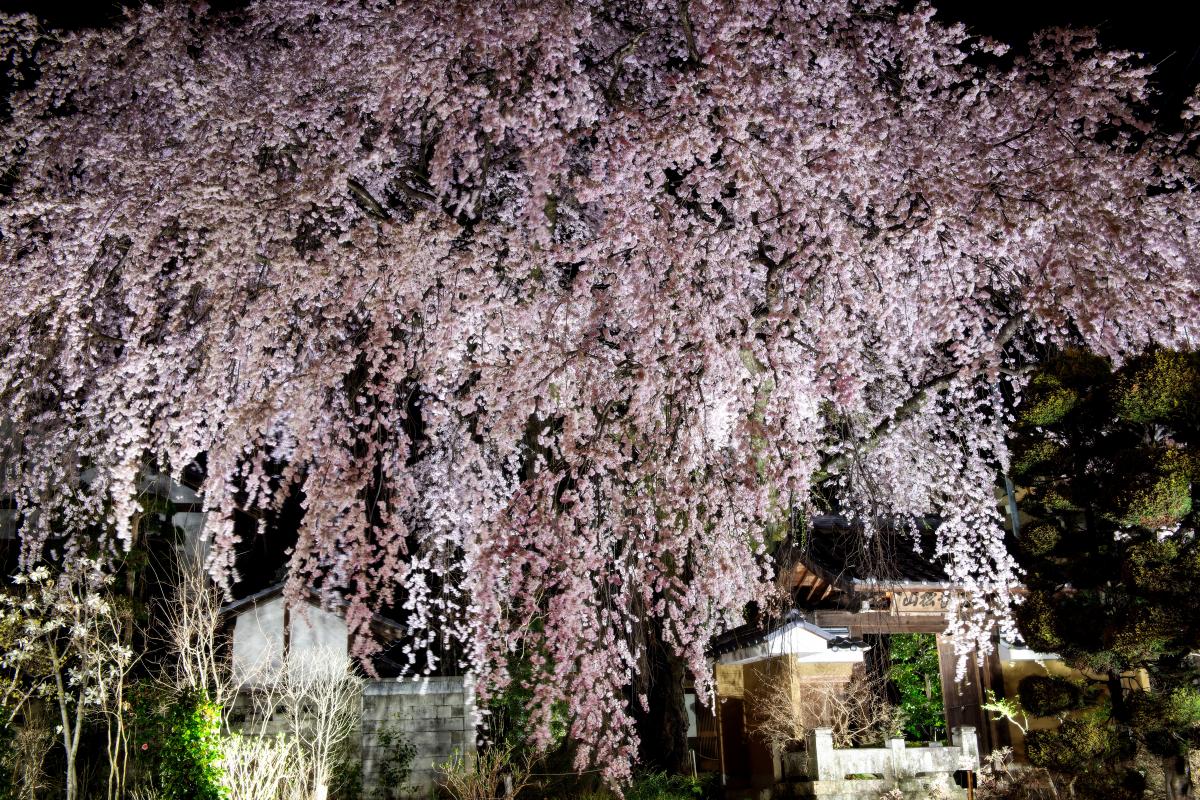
(435,715)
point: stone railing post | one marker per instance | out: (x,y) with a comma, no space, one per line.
(897,761)
(821,755)
(964,738)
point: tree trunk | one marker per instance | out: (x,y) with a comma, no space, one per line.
(72,778)
(1116,692)
(662,727)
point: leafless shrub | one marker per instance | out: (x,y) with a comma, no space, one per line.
(792,704)
(25,756)
(313,700)
(999,779)
(191,621)
(499,771)
(259,767)
(323,699)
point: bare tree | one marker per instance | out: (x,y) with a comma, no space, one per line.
(792,704)
(314,700)
(191,621)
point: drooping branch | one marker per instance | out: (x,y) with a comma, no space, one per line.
(689,34)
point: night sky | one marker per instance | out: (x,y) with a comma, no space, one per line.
(1163,31)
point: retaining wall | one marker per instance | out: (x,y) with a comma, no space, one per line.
(435,715)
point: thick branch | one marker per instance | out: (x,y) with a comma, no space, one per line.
(689,34)
(914,403)
(369,203)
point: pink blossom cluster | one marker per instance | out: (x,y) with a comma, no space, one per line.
(551,311)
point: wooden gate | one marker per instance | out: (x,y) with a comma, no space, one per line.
(964,701)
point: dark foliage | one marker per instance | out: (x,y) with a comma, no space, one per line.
(1106,463)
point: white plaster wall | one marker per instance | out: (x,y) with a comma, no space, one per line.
(316,631)
(8,524)
(798,640)
(258,640)
(194,544)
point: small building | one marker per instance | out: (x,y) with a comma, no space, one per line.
(436,715)
(747,661)
(851,594)
(758,668)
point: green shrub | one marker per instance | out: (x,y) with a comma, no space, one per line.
(1098,661)
(1074,746)
(1157,504)
(1080,368)
(190,752)
(1162,387)
(1034,455)
(347,779)
(1183,707)
(1055,499)
(1169,722)
(1112,783)
(1048,696)
(916,675)
(1149,565)
(1147,634)
(149,704)
(663,786)
(395,763)
(1036,621)
(1040,540)
(1048,402)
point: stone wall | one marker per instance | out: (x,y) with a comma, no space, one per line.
(435,715)
(896,760)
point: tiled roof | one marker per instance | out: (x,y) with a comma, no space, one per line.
(756,633)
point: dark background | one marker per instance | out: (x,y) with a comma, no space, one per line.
(1162,30)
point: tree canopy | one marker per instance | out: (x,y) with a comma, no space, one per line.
(1108,461)
(552,313)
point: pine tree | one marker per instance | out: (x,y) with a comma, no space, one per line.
(1107,463)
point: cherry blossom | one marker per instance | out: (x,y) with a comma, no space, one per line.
(555,313)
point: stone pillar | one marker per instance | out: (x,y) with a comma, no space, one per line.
(820,754)
(964,738)
(896,762)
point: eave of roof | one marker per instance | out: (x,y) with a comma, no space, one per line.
(381,623)
(747,636)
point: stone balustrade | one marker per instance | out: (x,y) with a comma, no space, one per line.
(893,762)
